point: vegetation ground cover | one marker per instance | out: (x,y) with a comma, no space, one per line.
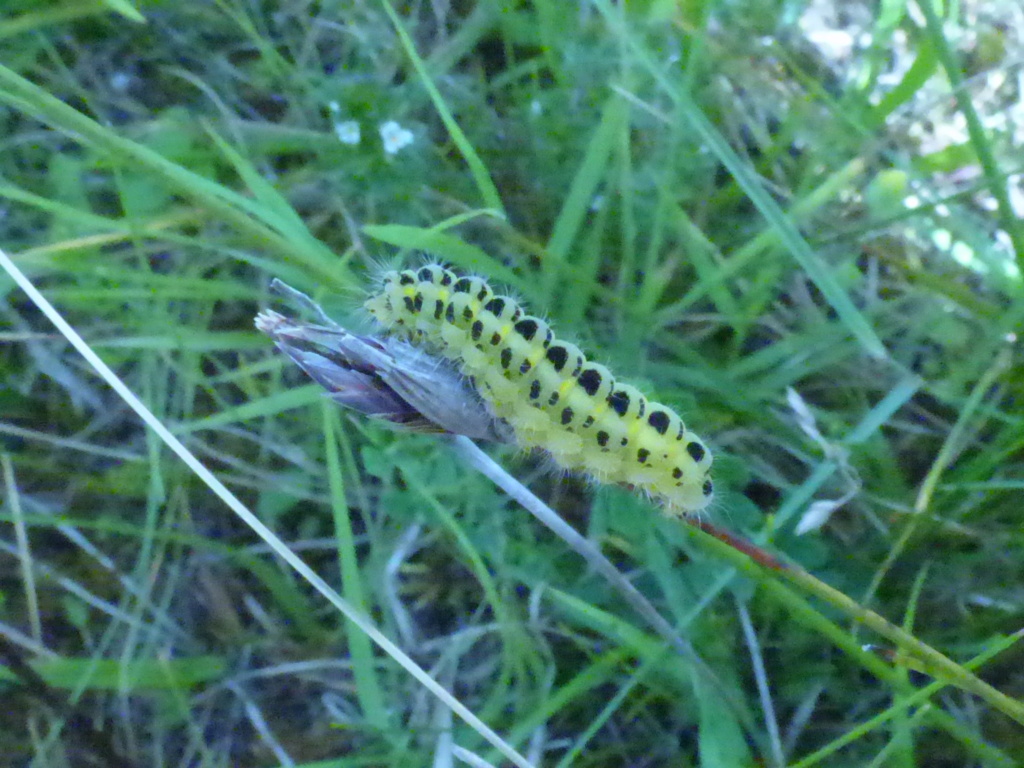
(796,222)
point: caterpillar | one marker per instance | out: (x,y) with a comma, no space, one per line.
(545,389)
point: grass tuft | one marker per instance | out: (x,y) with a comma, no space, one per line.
(797,224)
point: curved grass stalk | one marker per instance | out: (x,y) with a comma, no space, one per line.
(768,569)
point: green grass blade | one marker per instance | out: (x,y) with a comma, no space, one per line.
(485,186)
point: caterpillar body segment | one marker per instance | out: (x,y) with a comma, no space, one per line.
(546,390)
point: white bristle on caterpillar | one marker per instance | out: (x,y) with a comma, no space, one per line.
(545,389)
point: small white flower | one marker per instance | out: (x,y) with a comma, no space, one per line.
(394,137)
(348,132)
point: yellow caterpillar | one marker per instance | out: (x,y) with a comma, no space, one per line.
(545,389)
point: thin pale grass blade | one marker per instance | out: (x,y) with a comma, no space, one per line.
(586,549)
(236,506)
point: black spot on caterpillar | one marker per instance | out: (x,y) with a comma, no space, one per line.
(544,387)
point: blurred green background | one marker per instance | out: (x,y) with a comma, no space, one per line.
(796,222)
